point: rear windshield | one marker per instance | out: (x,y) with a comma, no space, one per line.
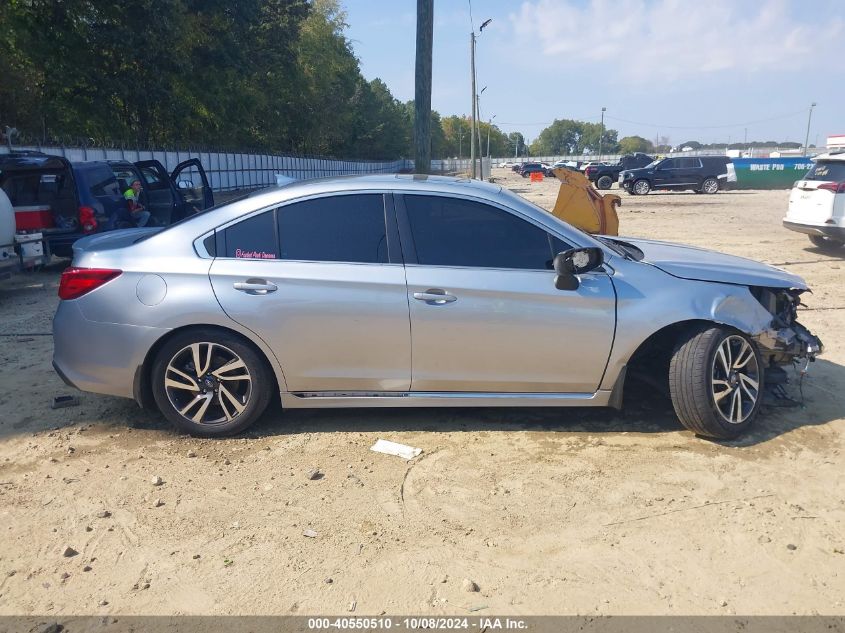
(100,181)
(833,170)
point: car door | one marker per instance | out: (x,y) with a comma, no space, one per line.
(665,173)
(158,196)
(690,173)
(321,281)
(192,186)
(485,313)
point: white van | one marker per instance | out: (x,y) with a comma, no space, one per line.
(817,202)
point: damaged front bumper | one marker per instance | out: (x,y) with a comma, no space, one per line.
(786,340)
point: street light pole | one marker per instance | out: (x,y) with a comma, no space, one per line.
(809,118)
(601,132)
(474,128)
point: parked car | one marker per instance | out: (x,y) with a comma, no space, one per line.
(395,291)
(817,202)
(604,175)
(530,168)
(506,164)
(702,174)
(66,200)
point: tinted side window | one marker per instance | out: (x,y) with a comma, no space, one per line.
(335,229)
(253,238)
(669,163)
(689,163)
(453,232)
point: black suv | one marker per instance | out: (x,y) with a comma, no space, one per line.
(702,174)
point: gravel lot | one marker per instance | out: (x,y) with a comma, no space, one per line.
(548,511)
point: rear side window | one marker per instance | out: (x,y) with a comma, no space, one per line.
(454,232)
(334,229)
(833,170)
(253,238)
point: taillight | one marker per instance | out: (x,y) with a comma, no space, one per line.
(87,219)
(76,282)
(835,187)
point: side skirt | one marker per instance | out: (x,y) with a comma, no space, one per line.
(325,399)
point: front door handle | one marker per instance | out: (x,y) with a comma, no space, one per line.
(255,286)
(435,296)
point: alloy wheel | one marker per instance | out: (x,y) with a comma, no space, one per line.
(642,187)
(735,382)
(710,186)
(207,383)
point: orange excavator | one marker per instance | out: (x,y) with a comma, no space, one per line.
(579,204)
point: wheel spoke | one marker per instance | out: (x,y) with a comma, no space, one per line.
(746,382)
(232,400)
(200,366)
(745,355)
(736,406)
(203,400)
(720,354)
(721,394)
(189,383)
(232,365)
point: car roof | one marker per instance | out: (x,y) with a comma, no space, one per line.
(28,160)
(838,156)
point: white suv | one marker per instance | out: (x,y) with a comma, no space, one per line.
(817,202)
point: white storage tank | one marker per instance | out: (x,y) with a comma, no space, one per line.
(7,220)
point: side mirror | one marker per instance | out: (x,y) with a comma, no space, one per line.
(573,262)
(185,184)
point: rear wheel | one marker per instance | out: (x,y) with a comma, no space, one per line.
(716,381)
(604,182)
(210,382)
(826,243)
(710,185)
(641,187)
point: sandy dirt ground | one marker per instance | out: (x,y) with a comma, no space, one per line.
(547,511)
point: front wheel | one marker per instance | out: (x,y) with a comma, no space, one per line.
(604,182)
(826,243)
(716,382)
(641,187)
(710,185)
(210,382)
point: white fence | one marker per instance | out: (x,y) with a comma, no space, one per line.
(232,170)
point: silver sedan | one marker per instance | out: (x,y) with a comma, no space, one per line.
(403,291)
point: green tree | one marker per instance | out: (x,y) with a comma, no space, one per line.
(632,144)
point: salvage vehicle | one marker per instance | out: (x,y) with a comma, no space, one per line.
(702,174)
(817,203)
(408,291)
(63,200)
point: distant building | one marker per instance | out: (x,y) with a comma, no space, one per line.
(836,142)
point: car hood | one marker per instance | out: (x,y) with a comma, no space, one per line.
(690,262)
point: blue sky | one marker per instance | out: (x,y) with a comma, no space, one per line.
(683,69)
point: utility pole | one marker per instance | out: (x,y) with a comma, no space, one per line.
(422,87)
(601,132)
(809,118)
(489,125)
(472,116)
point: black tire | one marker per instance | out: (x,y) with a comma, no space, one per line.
(219,410)
(640,187)
(710,185)
(696,368)
(826,243)
(604,182)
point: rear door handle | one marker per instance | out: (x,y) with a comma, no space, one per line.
(255,286)
(435,296)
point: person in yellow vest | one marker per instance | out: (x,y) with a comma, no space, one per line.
(140,216)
